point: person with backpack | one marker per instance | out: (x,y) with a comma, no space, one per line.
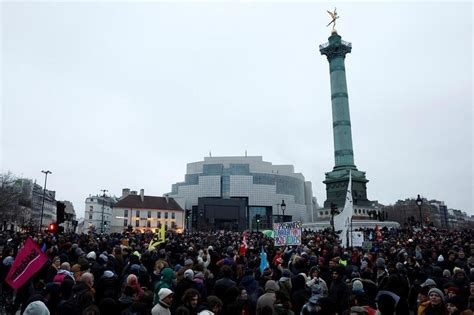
(63,273)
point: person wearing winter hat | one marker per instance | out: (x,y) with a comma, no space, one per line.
(166,281)
(285,283)
(268,298)
(338,290)
(380,263)
(36,308)
(357,287)
(92,256)
(455,305)
(189,274)
(164,303)
(437,302)
(428,283)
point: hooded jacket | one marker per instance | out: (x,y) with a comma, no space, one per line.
(166,281)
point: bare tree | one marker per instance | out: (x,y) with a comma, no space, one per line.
(11,197)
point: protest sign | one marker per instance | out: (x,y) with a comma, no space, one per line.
(357,239)
(287,233)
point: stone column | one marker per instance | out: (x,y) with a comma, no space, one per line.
(336,50)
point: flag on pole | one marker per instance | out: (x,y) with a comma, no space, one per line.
(30,260)
(263,260)
(378,234)
(158,238)
(343,219)
(244,245)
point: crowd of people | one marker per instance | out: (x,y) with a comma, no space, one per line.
(405,271)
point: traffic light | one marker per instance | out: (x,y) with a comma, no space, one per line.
(60,212)
(53,228)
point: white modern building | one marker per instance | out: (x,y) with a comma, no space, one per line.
(98,209)
(231,192)
(145,213)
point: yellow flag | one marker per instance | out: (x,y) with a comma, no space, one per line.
(158,238)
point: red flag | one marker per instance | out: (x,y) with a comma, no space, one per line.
(29,260)
(378,234)
(243,246)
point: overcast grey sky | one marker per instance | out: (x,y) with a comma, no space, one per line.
(109,95)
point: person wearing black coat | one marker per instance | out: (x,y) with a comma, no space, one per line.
(107,286)
(338,290)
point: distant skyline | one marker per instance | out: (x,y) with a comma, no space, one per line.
(109,95)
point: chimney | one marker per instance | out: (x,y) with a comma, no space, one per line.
(142,194)
(133,192)
(125,192)
(167,199)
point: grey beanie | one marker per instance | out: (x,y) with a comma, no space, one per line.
(380,263)
(36,308)
(357,286)
(437,291)
(189,274)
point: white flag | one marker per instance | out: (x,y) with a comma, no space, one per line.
(342,220)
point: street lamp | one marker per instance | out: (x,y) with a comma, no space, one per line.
(44,193)
(103,206)
(283,208)
(419,202)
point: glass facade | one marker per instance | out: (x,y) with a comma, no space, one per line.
(265,218)
(263,184)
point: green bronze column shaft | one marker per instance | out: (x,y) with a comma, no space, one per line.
(336,51)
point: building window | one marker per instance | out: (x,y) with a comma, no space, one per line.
(327,212)
(166,215)
(166,225)
(137,223)
(91,208)
(90,216)
(158,214)
(148,223)
(138,213)
(173,215)
(125,222)
(149,214)
(125,213)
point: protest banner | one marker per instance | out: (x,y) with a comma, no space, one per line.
(357,239)
(30,259)
(287,233)
(367,245)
